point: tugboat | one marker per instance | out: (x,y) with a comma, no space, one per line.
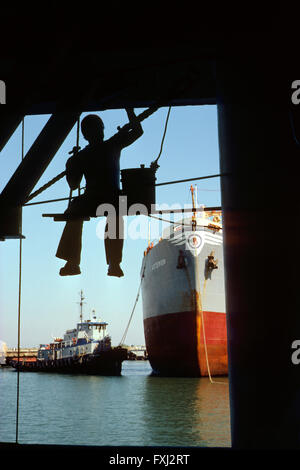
(85,349)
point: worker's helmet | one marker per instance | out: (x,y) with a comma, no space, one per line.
(91,124)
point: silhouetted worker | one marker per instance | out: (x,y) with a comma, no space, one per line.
(99,163)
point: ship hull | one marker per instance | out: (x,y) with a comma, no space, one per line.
(184,307)
(105,363)
(173,351)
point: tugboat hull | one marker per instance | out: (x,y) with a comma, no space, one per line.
(106,363)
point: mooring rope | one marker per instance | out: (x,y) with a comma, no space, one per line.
(200,305)
(135,304)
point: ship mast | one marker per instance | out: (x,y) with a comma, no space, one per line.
(194,221)
(81,304)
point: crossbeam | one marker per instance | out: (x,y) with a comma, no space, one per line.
(65,217)
(9,121)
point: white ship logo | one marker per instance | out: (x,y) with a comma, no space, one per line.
(194,241)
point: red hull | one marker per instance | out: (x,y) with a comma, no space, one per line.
(177,343)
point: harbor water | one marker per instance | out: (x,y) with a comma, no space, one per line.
(135,409)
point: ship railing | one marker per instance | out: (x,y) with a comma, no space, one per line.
(63,344)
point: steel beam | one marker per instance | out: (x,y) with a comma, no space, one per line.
(38,158)
(261,255)
(9,121)
(30,170)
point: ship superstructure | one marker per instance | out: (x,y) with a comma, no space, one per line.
(88,337)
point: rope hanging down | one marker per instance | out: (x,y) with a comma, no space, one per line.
(73,152)
(19,305)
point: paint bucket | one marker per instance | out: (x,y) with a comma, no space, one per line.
(138,184)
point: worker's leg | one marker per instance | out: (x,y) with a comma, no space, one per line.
(113,241)
(69,247)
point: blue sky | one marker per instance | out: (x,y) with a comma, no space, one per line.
(49,301)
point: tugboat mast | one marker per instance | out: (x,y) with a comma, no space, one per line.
(81,304)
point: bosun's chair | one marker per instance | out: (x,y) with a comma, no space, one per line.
(138,185)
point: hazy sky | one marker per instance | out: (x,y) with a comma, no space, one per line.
(49,301)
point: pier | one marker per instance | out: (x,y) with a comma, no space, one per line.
(137,353)
(25,354)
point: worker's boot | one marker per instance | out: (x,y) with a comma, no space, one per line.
(115,270)
(70,269)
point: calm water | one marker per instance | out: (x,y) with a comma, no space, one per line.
(135,409)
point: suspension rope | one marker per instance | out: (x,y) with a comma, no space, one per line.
(77,147)
(155,164)
(19,304)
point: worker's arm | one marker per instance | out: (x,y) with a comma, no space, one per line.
(74,172)
(126,137)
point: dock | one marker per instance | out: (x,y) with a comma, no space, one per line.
(137,353)
(25,354)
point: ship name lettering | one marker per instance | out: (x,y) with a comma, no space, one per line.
(158,264)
